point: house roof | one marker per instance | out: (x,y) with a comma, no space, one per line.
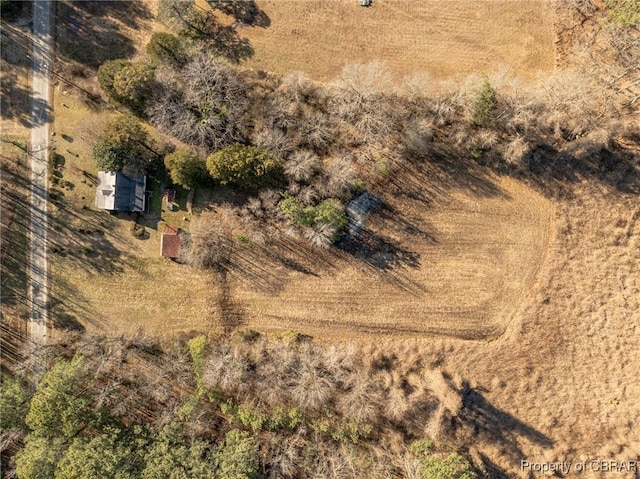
(170,243)
(120,192)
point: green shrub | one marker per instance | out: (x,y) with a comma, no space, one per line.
(422,447)
(186,168)
(624,12)
(57,409)
(450,467)
(242,238)
(197,350)
(329,212)
(237,457)
(165,47)
(290,336)
(126,83)
(485,105)
(247,167)
(14,404)
(107,73)
(246,335)
(124,145)
(132,85)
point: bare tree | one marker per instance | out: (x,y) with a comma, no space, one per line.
(274,140)
(312,387)
(201,105)
(302,166)
(338,177)
(418,137)
(417,86)
(362,81)
(226,369)
(515,151)
(320,235)
(210,246)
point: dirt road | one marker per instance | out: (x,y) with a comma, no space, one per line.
(40,117)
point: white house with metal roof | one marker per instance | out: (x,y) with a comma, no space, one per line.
(120,192)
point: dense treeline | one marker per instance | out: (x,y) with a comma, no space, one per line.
(248,407)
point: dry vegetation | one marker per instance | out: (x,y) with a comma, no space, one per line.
(438,39)
(14,227)
(446,262)
(15,74)
(525,232)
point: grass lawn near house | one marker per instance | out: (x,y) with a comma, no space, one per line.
(103,277)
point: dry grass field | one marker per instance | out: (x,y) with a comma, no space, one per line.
(103,277)
(562,383)
(443,39)
(432,260)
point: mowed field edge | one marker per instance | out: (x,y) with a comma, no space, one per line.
(443,39)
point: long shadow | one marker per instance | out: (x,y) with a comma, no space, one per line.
(245,12)
(392,218)
(87,33)
(231,312)
(225,41)
(490,470)
(15,101)
(551,170)
(130,14)
(383,255)
(68,307)
(495,426)
(13,337)
(14,245)
(15,10)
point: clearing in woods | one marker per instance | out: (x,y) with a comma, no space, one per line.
(440,38)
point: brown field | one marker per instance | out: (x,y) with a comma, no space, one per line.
(108,279)
(453,262)
(561,384)
(445,255)
(440,38)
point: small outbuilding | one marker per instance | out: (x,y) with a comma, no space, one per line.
(170,243)
(357,211)
(120,192)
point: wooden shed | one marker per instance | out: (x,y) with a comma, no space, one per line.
(170,243)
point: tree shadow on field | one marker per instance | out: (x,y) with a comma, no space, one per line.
(266,268)
(490,470)
(231,312)
(89,32)
(225,41)
(494,426)
(68,305)
(82,237)
(551,170)
(245,12)
(384,257)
